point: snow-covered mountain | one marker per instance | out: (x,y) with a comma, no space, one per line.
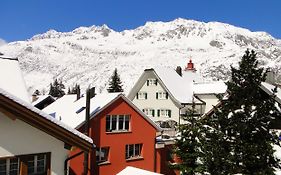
(88,55)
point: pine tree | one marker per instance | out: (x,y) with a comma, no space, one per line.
(187,148)
(56,89)
(242,124)
(115,84)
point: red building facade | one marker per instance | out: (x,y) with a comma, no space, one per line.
(123,137)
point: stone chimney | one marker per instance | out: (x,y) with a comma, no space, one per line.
(179,70)
(190,66)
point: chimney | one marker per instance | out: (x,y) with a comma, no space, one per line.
(34,97)
(190,66)
(78,92)
(92,92)
(179,70)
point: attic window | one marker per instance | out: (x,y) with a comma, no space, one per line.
(151,82)
(80,110)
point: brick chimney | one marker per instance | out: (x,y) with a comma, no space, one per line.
(190,66)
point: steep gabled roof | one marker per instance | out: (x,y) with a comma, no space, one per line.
(72,112)
(121,96)
(16,108)
(180,88)
(11,79)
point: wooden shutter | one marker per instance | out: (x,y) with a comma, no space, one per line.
(167,95)
(145,95)
(169,113)
(158,112)
(147,82)
(156,95)
(137,95)
(156,82)
(152,112)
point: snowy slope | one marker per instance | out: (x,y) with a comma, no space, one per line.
(88,55)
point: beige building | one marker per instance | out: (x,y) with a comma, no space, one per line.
(164,94)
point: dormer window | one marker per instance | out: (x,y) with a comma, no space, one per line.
(142,95)
(151,82)
(161,95)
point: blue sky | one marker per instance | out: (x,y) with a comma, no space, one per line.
(21,19)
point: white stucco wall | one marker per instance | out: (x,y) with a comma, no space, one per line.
(19,138)
(152,102)
(210,99)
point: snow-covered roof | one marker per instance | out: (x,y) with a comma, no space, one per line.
(183,87)
(40,98)
(180,87)
(72,112)
(217,87)
(268,88)
(11,78)
(129,170)
(44,115)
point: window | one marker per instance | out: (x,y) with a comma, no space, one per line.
(133,151)
(164,113)
(151,82)
(102,154)
(142,95)
(34,164)
(9,166)
(117,123)
(149,112)
(161,95)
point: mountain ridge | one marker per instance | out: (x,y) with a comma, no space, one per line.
(88,55)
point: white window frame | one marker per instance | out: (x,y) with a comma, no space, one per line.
(142,95)
(149,112)
(118,117)
(134,155)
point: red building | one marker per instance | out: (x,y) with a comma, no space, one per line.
(123,137)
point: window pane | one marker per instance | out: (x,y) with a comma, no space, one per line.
(14,166)
(102,154)
(3,167)
(114,122)
(131,150)
(121,122)
(127,152)
(107,123)
(41,163)
(127,122)
(30,166)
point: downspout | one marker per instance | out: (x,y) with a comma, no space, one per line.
(69,158)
